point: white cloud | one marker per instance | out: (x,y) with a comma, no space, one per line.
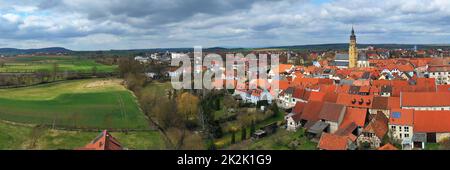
(87,24)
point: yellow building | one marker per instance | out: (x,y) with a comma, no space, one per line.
(352,51)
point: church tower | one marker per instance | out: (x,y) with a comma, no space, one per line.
(352,51)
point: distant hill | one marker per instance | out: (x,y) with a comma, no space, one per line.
(15,51)
(343,46)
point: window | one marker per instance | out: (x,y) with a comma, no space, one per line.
(393,128)
(406,135)
(399,128)
(406,129)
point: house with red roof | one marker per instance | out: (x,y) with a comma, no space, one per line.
(443,88)
(374,132)
(356,101)
(401,128)
(310,114)
(293,119)
(430,127)
(425,100)
(332,114)
(380,104)
(388,146)
(333,142)
(104,141)
(356,116)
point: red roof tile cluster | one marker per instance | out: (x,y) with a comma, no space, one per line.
(403,117)
(387,146)
(311,111)
(316,96)
(425,99)
(331,111)
(432,121)
(104,141)
(443,88)
(378,125)
(333,142)
(355,100)
(354,115)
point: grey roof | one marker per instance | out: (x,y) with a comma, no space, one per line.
(341,63)
(366,75)
(386,89)
(354,89)
(341,56)
(289,90)
(419,137)
(318,127)
(346,82)
(362,56)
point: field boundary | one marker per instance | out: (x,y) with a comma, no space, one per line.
(68,128)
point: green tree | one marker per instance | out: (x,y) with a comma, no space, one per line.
(252,127)
(244,134)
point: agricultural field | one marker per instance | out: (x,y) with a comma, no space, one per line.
(30,64)
(92,103)
(31,137)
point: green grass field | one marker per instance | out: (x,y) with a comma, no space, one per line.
(94,103)
(281,140)
(21,137)
(46,63)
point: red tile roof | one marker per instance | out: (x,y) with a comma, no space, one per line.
(298,108)
(333,142)
(378,125)
(425,99)
(355,100)
(380,103)
(443,88)
(330,97)
(431,121)
(331,111)
(388,146)
(394,102)
(354,115)
(312,110)
(401,117)
(316,96)
(104,141)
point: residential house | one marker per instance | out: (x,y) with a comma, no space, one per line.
(380,104)
(333,142)
(388,146)
(104,141)
(425,100)
(355,116)
(430,127)
(310,114)
(440,73)
(375,131)
(333,114)
(293,119)
(401,126)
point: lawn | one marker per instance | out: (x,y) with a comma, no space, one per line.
(158,88)
(225,140)
(281,140)
(46,63)
(94,103)
(22,137)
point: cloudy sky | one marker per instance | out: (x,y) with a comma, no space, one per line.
(132,24)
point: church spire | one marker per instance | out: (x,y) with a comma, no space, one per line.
(353,31)
(353,36)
